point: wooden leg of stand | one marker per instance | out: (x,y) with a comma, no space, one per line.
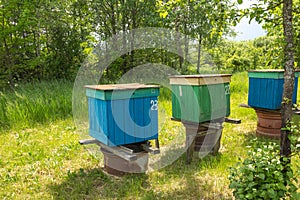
(190,143)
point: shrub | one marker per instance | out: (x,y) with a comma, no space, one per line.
(295,136)
(261,176)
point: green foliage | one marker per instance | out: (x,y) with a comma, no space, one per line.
(295,135)
(50,39)
(269,14)
(202,20)
(206,22)
(41,40)
(232,57)
(262,175)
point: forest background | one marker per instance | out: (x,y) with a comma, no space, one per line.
(46,40)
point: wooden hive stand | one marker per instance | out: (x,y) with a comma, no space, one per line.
(204,137)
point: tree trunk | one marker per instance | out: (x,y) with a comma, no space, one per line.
(178,41)
(124,32)
(134,26)
(186,49)
(286,110)
(199,54)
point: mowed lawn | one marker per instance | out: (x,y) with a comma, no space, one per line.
(40,157)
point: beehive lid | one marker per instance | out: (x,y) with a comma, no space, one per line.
(129,86)
(269,73)
(121,91)
(200,79)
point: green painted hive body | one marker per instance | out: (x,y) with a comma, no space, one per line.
(200,98)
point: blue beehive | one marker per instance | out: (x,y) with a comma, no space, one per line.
(266,88)
(123,113)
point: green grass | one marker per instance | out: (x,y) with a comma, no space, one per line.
(35,103)
(40,157)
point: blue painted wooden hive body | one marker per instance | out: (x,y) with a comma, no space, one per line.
(266,88)
(123,113)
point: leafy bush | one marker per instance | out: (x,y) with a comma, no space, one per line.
(295,136)
(261,176)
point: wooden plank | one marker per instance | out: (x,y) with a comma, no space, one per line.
(266,70)
(215,124)
(295,112)
(175,119)
(269,73)
(243,105)
(139,130)
(127,150)
(120,152)
(129,124)
(262,109)
(190,144)
(151,113)
(200,79)
(129,86)
(151,150)
(233,121)
(122,94)
(111,125)
(89,141)
(118,107)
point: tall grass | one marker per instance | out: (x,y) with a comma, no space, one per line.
(239,83)
(35,103)
(165,94)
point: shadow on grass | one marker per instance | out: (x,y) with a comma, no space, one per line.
(96,184)
(79,184)
(175,181)
(193,181)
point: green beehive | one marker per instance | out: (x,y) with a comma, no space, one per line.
(200,98)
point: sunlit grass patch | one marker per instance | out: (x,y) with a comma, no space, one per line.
(32,159)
